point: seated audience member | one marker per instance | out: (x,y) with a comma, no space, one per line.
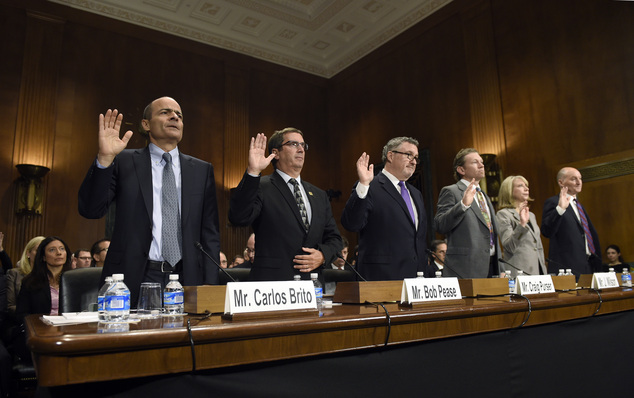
(437,258)
(519,232)
(249,253)
(4,257)
(338,264)
(237,260)
(82,258)
(615,260)
(40,288)
(223,260)
(99,251)
(24,267)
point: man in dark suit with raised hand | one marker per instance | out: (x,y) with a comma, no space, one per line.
(467,218)
(389,215)
(292,219)
(574,242)
(165,201)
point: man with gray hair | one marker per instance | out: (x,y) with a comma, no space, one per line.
(389,215)
(467,218)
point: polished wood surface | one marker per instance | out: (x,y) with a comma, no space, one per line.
(84,353)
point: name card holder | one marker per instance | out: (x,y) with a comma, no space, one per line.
(256,300)
(564,282)
(431,292)
(374,292)
(484,286)
(605,280)
(541,285)
(199,299)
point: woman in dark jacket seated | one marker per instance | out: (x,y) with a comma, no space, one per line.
(40,289)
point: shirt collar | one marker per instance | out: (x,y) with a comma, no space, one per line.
(156,154)
(286,177)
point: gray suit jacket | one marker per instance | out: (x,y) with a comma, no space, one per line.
(522,245)
(468,254)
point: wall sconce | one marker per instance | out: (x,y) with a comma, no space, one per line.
(492,177)
(30,188)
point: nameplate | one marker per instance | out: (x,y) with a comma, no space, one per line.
(419,290)
(243,297)
(534,284)
(604,280)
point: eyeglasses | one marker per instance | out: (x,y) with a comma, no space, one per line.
(296,144)
(85,258)
(105,249)
(410,156)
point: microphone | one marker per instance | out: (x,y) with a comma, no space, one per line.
(431,253)
(506,262)
(350,265)
(557,264)
(200,247)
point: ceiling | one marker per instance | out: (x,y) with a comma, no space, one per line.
(321,37)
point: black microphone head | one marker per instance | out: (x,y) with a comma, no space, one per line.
(198,245)
(340,256)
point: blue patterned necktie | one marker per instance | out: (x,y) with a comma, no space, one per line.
(170,212)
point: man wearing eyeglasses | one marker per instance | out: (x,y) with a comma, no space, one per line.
(389,215)
(291,218)
(467,218)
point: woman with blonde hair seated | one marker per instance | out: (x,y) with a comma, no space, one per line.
(22,269)
(518,229)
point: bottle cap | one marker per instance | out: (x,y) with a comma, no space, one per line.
(313,275)
(117,277)
(173,277)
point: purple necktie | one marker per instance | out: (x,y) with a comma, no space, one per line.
(408,202)
(586,227)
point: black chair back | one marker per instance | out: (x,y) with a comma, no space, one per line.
(239,274)
(78,289)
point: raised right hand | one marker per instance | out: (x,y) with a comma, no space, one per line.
(257,160)
(469,193)
(564,200)
(365,170)
(110,145)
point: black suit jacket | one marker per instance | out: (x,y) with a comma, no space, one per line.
(390,247)
(567,246)
(267,204)
(128,182)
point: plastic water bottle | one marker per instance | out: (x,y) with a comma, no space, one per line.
(561,272)
(511,282)
(297,278)
(438,274)
(611,269)
(569,271)
(101,304)
(174,296)
(117,300)
(319,291)
(420,275)
(626,277)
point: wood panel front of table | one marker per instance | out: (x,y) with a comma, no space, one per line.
(79,354)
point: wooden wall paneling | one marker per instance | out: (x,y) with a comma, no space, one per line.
(236,146)
(37,106)
(484,87)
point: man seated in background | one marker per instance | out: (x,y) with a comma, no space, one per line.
(82,258)
(437,257)
(99,251)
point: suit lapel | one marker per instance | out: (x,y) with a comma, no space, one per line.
(393,192)
(282,187)
(187,184)
(143,168)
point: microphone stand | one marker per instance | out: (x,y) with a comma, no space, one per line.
(200,247)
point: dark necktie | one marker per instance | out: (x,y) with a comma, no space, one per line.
(586,227)
(300,202)
(407,199)
(171,230)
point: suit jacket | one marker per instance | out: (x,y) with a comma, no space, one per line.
(14,283)
(34,301)
(522,245)
(467,233)
(128,182)
(567,247)
(267,204)
(390,246)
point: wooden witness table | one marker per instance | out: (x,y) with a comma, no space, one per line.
(66,355)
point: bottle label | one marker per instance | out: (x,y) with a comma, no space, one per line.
(173,298)
(101,304)
(118,302)
(318,292)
